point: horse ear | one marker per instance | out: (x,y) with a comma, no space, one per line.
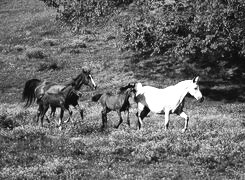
(86,70)
(196,79)
(131,85)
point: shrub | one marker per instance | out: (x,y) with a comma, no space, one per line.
(49,42)
(51,65)
(6,122)
(209,33)
(76,13)
(19,48)
(35,53)
(28,132)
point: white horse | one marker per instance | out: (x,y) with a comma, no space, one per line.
(168,100)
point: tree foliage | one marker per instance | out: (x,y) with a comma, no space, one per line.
(211,33)
(79,13)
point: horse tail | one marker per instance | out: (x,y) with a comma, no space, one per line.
(96,97)
(28,94)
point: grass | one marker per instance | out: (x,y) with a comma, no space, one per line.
(213,148)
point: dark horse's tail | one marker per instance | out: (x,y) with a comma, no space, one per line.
(28,94)
(96,97)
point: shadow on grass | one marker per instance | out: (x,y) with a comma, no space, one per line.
(223,91)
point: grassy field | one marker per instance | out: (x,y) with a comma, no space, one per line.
(33,46)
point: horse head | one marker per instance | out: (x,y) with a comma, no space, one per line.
(128,90)
(194,90)
(138,88)
(84,77)
(129,86)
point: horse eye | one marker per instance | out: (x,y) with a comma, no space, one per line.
(196,88)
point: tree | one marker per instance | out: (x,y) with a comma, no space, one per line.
(207,33)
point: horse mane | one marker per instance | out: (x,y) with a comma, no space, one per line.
(182,82)
(124,88)
(109,93)
(72,82)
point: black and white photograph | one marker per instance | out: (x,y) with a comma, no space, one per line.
(122,89)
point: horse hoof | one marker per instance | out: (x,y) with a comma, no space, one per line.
(68,120)
(183,130)
(116,127)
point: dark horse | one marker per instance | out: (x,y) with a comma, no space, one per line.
(35,89)
(115,102)
(69,95)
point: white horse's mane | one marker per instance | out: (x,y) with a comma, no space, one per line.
(183,82)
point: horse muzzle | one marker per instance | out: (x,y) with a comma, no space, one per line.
(94,87)
(201,99)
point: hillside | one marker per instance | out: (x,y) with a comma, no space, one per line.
(33,45)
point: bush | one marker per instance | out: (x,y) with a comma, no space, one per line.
(73,46)
(19,48)
(6,122)
(37,53)
(49,42)
(55,66)
(28,132)
(209,33)
(76,13)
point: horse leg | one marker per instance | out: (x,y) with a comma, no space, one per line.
(80,110)
(39,111)
(104,118)
(53,109)
(183,115)
(70,115)
(43,112)
(52,113)
(120,118)
(166,119)
(128,121)
(142,115)
(60,119)
(140,109)
(47,118)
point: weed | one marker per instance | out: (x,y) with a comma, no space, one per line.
(75,46)
(213,148)
(49,42)
(19,48)
(37,53)
(6,122)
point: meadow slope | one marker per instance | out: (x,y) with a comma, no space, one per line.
(32,45)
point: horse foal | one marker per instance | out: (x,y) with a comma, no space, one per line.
(53,101)
(115,102)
